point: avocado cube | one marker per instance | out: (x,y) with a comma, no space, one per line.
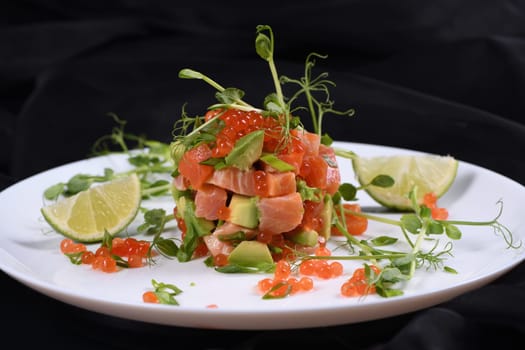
(305,237)
(250,253)
(326,217)
(243,211)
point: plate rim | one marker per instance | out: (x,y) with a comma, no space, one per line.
(265,320)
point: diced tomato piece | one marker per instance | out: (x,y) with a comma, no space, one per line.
(293,153)
(333,176)
(310,142)
(191,169)
(295,159)
(313,171)
(355,225)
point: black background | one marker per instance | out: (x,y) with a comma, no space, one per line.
(446,77)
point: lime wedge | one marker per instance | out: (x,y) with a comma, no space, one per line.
(85,216)
(430,173)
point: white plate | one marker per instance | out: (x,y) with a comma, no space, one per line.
(29,252)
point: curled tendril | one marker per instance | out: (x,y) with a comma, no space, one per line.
(502,230)
(498,228)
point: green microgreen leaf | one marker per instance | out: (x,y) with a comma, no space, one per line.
(326,140)
(450,270)
(195,229)
(276,163)
(78,183)
(246,151)
(54,191)
(75,258)
(435,228)
(383,240)
(190,74)
(187,73)
(166,292)
(271,293)
(229,95)
(411,222)
(166,247)
(107,240)
(452,231)
(156,188)
(154,221)
(308,193)
(388,292)
(217,163)
(272,104)
(120,261)
(383,181)
(348,191)
(425,212)
(260,268)
(263,43)
(235,236)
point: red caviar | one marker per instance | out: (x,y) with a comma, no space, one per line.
(223,213)
(261,185)
(282,270)
(282,283)
(87,257)
(104,263)
(323,251)
(220,260)
(150,297)
(239,123)
(68,246)
(357,285)
(438,213)
(319,267)
(103,258)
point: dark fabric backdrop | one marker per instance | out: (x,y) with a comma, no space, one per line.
(445,76)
